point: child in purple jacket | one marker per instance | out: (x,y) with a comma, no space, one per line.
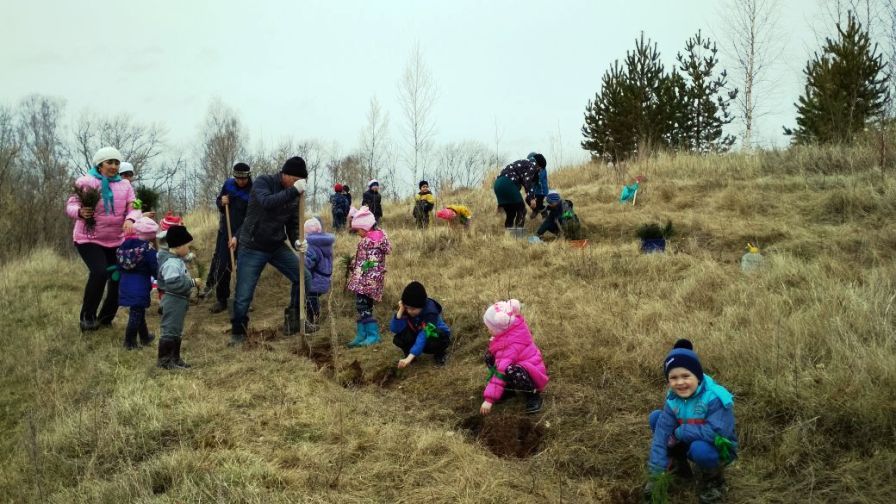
(318,262)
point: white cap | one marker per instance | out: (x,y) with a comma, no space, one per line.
(126,168)
(105,154)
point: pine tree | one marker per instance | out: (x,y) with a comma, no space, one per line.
(629,114)
(705,100)
(846,87)
(609,128)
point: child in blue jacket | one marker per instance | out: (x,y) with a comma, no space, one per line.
(419,327)
(696,424)
(137,263)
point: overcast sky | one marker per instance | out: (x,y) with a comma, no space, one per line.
(307,69)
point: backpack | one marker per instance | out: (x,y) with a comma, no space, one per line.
(129,259)
(569,222)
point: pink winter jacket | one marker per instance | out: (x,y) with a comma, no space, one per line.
(515,346)
(108,232)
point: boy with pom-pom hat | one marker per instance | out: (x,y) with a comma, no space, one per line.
(696,424)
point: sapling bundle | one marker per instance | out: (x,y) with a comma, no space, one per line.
(89,197)
(347,261)
(654,231)
(146,200)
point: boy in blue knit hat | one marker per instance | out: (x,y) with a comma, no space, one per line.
(696,424)
(553,214)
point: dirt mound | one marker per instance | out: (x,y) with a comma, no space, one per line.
(386,377)
(321,355)
(505,435)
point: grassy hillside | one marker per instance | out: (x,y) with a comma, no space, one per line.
(806,345)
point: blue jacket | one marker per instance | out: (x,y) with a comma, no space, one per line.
(431,314)
(541,187)
(136,283)
(701,417)
(319,260)
(239,203)
(340,203)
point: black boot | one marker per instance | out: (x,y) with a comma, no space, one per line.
(533,402)
(290,321)
(146,337)
(130,338)
(218,307)
(166,354)
(711,488)
(178,362)
(89,325)
(440,358)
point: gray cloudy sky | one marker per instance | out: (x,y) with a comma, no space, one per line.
(307,69)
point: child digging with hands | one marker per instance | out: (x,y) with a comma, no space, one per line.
(696,424)
(419,327)
(514,361)
(175,279)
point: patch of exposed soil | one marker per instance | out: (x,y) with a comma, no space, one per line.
(505,435)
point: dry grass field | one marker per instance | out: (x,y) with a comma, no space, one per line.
(806,345)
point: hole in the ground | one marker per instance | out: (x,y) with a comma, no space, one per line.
(353,375)
(321,355)
(259,339)
(386,377)
(505,435)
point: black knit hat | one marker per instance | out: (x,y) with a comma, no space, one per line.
(295,166)
(346,188)
(683,356)
(241,170)
(541,161)
(177,236)
(414,295)
(422,183)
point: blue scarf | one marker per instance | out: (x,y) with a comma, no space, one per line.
(106,190)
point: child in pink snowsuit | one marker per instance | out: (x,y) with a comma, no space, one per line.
(513,360)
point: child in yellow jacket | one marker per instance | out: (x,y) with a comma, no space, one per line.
(424,202)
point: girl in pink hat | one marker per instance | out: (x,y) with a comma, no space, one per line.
(368,274)
(514,361)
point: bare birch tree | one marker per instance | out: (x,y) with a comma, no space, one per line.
(223,145)
(754,44)
(374,140)
(417,95)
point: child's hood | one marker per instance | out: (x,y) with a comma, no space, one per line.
(322,240)
(432,309)
(375,236)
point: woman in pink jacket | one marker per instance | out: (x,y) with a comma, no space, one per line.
(513,360)
(114,214)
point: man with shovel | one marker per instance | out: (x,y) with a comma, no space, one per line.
(270,235)
(232,201)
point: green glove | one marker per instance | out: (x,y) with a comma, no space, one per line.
(368,265)
(431,331)
(116,274)
(724,446)
(137,204)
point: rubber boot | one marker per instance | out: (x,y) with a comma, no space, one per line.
(89,325)
(146,337)
(373,334)
(711,488)
(176,360)
(360,336)
(237,334)
(130,339)
(290,321)
(533,402)
(166,354)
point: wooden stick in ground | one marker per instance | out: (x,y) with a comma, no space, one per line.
(229,239)
(635,198)
(302,313)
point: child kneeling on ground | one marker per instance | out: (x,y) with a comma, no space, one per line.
(514,362)
(696,424)
(175,280)
(419,327)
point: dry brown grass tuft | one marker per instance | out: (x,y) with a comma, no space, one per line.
(806,345)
